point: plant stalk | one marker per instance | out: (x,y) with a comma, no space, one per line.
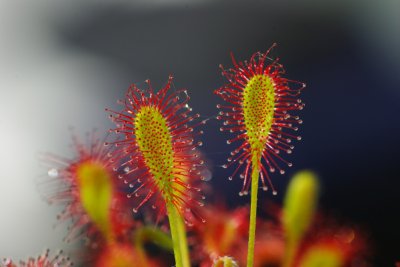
(255,165)
(179,240)
(290,253)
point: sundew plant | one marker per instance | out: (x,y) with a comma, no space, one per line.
(138,197)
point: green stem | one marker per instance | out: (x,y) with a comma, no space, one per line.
(138,241)
(154,235)
(183,241)
(179,241)
(253,209)
(290,253)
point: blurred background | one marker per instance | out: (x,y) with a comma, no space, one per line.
(63,62)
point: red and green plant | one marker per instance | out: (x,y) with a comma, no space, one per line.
(259,106)
(154,167)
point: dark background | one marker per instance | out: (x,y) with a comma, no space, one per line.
(346,53)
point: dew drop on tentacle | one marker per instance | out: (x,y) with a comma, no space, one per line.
(53,173)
